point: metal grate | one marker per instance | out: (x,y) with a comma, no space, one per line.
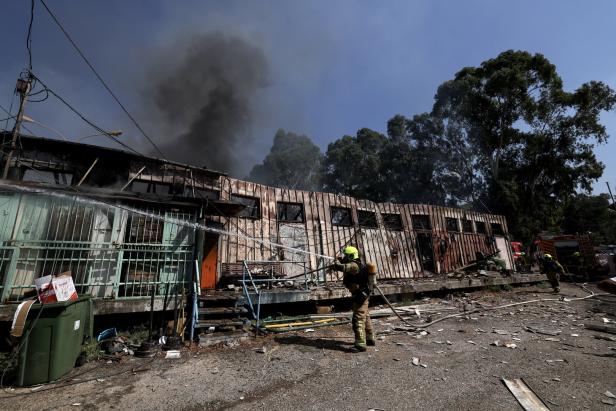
(110,252)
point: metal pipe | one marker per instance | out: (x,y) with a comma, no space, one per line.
(610,191)
(151,313)
(87,173)
(132,178)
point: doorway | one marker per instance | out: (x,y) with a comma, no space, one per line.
(209,264)
(425,251)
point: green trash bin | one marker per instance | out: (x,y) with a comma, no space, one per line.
(51,348)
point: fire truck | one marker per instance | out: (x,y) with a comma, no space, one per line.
(565,249)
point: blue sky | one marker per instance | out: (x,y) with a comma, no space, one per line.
(335,66)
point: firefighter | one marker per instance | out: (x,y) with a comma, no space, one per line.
(580,266)
(553,270)
(359,279)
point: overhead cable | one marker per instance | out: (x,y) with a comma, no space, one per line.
(98,76)
(74,110)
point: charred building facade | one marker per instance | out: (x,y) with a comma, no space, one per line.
(122,224)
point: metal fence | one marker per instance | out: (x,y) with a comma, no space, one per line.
(111,252)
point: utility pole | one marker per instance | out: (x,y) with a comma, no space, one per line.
(23,88)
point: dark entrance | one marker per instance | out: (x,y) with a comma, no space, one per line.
(425,250)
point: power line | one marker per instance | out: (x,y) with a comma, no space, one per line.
(29,36)
(98,76)
(74,110)
(12,116)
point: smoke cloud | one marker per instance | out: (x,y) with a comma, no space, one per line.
(205,92)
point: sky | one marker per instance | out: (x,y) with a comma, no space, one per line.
(334,66)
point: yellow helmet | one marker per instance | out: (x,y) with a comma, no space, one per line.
(576,254)
(548,256)
(351,252)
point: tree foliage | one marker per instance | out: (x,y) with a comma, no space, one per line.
(294,161)
(586,214)
(503,137)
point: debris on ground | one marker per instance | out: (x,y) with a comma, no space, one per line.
(173,354)
(525,395)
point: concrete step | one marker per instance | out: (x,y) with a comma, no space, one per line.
(221,311)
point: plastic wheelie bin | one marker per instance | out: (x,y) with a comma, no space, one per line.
(54,342)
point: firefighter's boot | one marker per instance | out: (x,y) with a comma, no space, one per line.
(360,335)
(370,336)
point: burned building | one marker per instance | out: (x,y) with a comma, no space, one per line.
(122,223)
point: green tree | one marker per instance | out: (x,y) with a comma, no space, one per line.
(352,166)
(294,161)
(590,214)
(531,141)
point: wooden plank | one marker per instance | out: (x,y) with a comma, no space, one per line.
(525,395)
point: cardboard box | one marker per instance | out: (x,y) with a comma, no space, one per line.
(53,289)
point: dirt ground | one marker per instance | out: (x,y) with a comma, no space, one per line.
(458,367)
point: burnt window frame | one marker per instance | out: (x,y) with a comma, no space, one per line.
(202,193)
(256,206)
(417,222)
(482,224)
(361,222)
(388,224)
(500,231)
(49,176)
(464,228)
(448,220)
(286,204)
(333,209)
(151,187)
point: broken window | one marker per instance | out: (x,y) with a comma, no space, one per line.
(421,222)
(467,226)
(290,212)
(51,177)
(150,187)
(452,224)
(392,222)
(341,216)
(497,229)
(202,193)
(252,206)
(481,227)
(367,219)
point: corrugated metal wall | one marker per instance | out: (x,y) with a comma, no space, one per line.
(394,251)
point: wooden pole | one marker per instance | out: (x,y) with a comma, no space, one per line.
(23,88)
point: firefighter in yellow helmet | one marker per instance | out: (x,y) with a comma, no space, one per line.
(359,280)
(553,270)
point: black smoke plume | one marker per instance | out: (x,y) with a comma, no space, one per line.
(207,90)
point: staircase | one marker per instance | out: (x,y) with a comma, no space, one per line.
(223,316)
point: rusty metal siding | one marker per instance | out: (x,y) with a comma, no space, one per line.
(394,251)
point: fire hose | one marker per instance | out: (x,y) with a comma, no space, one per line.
(538,300)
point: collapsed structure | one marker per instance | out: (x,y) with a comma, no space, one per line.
(151,223)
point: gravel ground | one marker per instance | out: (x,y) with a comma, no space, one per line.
(317,371)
